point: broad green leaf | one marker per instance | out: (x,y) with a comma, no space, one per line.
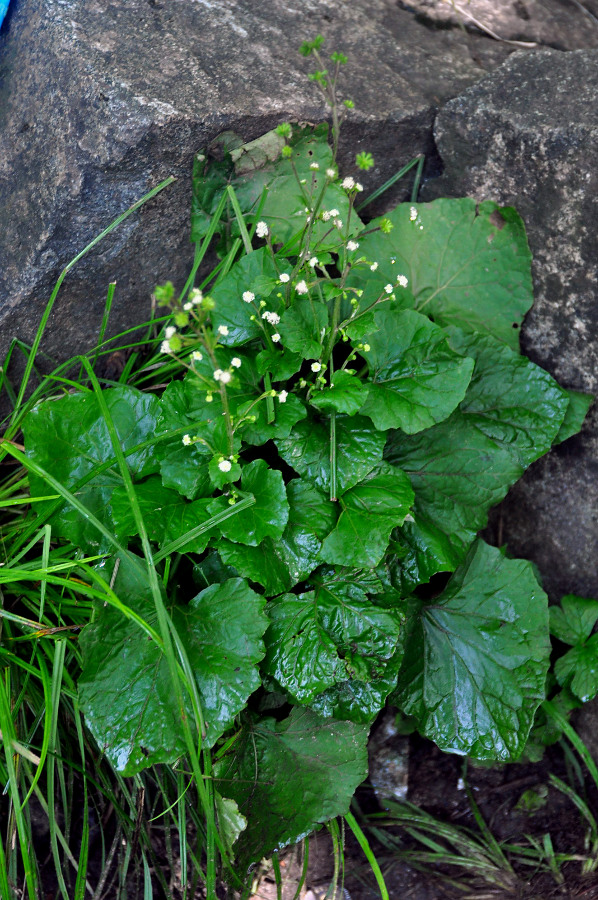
(359,449)
(185,468)
(69,438)
(186,471)
(286,415)
(303,325)
(476,663)
(286,201)
(370,511)
(346,394)
(510,399)
(573,620)
(254,272)
(578,669)
(300,655)
(281,363)
(417,379)
(468,264)
(463,466)
(288,777)
(579,404)
(360,701)
(280,564)
(230,821)
(211,570)
(185,403)
(457,474)
(220,477)
(418,551)
(328,636)
(269,514)
(125,687)
(165,513)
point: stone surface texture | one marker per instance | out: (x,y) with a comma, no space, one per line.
(100,100)
(562,24)
(527,136)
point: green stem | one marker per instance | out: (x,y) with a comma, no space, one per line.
(333,486)
(270,414)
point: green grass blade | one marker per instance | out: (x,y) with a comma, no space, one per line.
(559,719)
(8,737)
(105,317)
(205,526)
(240,219)
(388,184)
(369,854)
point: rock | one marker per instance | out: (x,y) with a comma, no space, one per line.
(526,136)
(101,100)
(553,23)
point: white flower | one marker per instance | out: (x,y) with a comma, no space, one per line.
(358,186)
(352,245)
(316,367)
(196,297)
(261,229)
(413,214)
(331,173)
(197,355)
(325,215)
(168,332)
(225,465)
(218,373)
(271,317)
(348,183)
(313,261)
(314,166)
(165,347)
(248,296)
(187,440)
(222,329)
(283,396)
(338,223)
(275,338)
(235,362)
(402,280)
(225,377)
(301,288)
(374,266)
(284,277)
(388,288)
(187,306)
(333,213)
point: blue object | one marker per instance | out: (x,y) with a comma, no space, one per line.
(3,8)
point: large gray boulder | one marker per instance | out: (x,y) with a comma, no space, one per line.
(562,24)
(527,136)
(100,100)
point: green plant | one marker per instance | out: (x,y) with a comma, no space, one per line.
(343,404)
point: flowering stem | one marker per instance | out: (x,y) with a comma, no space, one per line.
(269,399)
(333,488)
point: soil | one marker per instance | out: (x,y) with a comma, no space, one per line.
(434,782)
